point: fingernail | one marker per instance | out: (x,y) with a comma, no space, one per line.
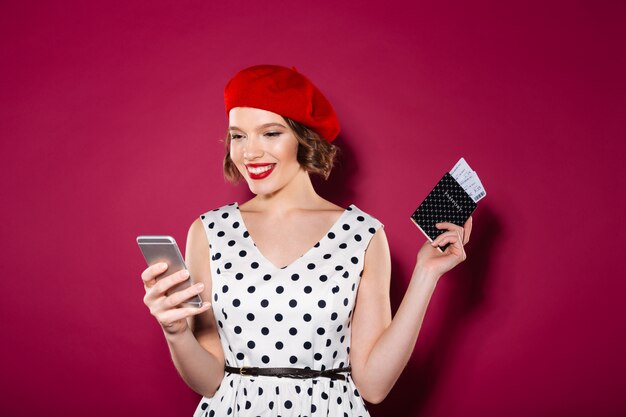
(185,273)
(162,265)
(201,286)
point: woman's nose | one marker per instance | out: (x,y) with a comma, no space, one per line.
(252,149)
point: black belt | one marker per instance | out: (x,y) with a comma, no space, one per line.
(298,373)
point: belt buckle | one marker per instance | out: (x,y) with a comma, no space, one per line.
(241,371)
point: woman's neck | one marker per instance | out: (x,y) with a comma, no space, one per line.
(298,194)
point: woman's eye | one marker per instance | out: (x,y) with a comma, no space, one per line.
(273,134)
(235,136)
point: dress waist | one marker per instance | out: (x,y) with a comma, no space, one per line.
(297,373)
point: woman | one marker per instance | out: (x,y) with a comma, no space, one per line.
(299,319)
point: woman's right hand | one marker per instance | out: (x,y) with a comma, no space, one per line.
(167,309)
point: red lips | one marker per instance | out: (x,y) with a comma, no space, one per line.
(259,175)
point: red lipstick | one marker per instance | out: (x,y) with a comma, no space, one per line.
(262,174)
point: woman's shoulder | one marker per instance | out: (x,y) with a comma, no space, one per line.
(362,215)
(218,210)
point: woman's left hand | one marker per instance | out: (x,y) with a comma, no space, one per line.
(431,259)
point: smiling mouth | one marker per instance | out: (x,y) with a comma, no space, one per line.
(259,171)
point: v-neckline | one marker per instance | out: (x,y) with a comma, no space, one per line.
(317,244)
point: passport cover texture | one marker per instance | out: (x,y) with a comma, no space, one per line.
(447,202)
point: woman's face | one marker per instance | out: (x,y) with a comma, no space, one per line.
(263,148)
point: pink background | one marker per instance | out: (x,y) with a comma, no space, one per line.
(111,119)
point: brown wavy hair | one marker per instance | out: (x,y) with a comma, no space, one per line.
(315,154)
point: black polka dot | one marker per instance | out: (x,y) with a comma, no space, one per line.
(372,230)
(331,235)
(278,317)
(343,246)
(354,260)
(317,356)
(279,345)
(235,225)
(308,289)
(240,356)
(293,303)
(307,317)
(288,404)
(237,329)
(346,227)
(311,266)
(264,303)
(307,345)
(360,218)
(320,331)
(231,243)
(250,316)
(251,344)
(295,277)
(221,233)
(293,359)
(267,277)
(227,265)
(236,302)
(293,331)
(265,331)
(225,289)
(254,265)
(265,359)
(357,237)
(280,289)
(243,253)
(327,256)
(239,276)
(323,278)
(333,316)
(321,303)
(251,289)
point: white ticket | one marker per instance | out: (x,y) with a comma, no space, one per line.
(468,179)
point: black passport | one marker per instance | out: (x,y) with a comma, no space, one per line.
(447,202)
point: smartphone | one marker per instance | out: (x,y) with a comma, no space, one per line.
(157,248)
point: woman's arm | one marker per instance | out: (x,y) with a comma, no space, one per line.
(190,332)
(381,347)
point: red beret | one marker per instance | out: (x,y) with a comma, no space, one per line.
(283,91)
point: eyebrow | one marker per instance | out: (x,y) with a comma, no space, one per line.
(263,126)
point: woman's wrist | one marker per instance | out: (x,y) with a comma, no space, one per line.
(175,336)
(425,275)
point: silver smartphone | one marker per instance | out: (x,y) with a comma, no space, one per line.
(157,248)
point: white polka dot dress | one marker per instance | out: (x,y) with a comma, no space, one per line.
(295,316)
